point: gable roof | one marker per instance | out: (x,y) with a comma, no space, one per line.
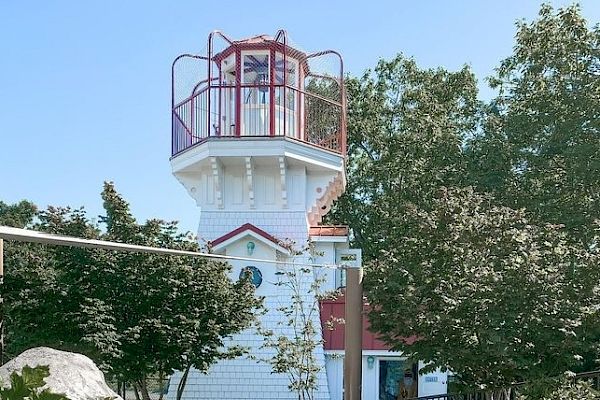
(247,230)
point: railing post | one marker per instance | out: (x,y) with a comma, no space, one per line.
(343,133)
(284,84)
(238,93)
(1,301)
(300,134)
(192,122)
(173,138)
(272,75)
(220,87)
(209,77)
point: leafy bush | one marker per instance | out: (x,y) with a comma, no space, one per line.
(27,385)
(566,390)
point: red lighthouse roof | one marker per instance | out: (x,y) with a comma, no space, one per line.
(256,39)
(264,42)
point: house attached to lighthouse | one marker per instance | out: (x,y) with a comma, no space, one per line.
(259,142)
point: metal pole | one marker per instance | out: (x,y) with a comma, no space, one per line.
(1,301)
(353,331)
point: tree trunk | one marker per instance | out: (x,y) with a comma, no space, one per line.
(161,382)
(135,391)
(123,390)
(143,387)
(182,382)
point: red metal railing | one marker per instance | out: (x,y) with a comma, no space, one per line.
(227,107)
(265,110)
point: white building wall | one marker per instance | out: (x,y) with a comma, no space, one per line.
(335,375)
(290,225)
(326,253)
(245,378)
(370,376)
(370,380)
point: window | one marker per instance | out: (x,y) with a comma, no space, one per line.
(256,74)
(289,70)
(255,275)
(397,379)
(256,69)
(340,278)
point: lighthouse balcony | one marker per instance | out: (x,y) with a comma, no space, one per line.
(222,111)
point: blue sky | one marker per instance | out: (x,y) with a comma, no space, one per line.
(85,85)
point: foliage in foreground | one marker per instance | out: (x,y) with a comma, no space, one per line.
(293,343)
(564,388)
(490,294)
(137,315)
(571,391)
(28,385)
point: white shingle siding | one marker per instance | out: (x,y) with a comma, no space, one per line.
(244,378)
(280,224)
(275,185)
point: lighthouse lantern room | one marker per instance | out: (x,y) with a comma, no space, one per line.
(258,87)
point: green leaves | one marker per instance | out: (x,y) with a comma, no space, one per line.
(491,295)
(295,339)
(17,215)
(541,148)
(562,388)
(405,127)
(28,384)
(479,222)
(137,315)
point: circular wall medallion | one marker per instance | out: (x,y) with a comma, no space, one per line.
(255,275)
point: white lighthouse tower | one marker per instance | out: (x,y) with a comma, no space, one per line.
(258,141)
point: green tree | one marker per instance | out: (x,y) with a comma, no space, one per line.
(465,214)
(29,283)
(540,147)
(406,127)
(17,215)
(189,305)
(138,315)
(298,334)
(485,292)
(569,390)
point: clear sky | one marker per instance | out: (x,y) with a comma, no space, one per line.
(85,85)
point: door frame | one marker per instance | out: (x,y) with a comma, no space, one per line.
(390,358)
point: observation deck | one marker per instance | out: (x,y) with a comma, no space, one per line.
(254,90)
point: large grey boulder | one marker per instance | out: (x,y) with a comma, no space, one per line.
(71,374)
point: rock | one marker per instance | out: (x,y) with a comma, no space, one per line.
(71,374)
